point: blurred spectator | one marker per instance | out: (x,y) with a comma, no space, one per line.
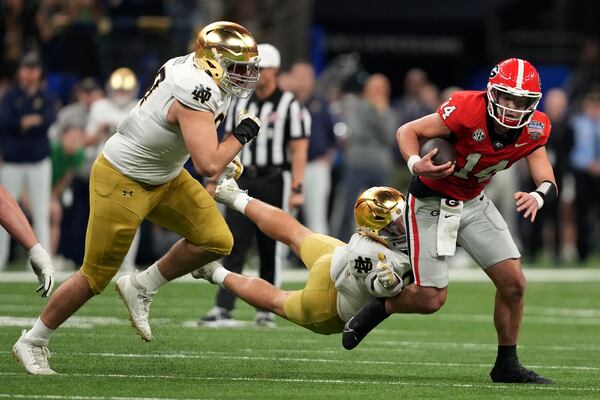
(559,146)
(429,97)
(76,211)
(410,106)
(368,153)
(285,81)
(420,98)
(447,92)
(67,156)
(105,116)
(321,150)
(17,33)
(77,113)
(68,40)
(586,74)
(107,113)
(26,113)
(547,227)
(585,160)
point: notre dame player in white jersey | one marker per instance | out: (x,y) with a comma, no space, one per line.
(342,276)
(140,176)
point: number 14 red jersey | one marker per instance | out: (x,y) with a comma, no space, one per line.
(479,154)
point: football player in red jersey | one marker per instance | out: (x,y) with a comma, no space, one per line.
(490,131)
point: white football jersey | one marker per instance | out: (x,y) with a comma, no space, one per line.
(146,147)
(350,266)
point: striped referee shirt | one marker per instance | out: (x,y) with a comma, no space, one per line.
(283,118)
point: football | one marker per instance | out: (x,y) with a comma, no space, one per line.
(445,152)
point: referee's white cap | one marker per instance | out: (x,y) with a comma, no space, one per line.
(269,56)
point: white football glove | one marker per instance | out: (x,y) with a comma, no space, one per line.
(385,273)
(42,266)
(233,170)
(383,282)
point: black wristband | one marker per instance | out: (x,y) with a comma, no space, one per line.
(298,189)
(246,130)
(547,191)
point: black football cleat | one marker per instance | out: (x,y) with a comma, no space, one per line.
(359,326)
(350,336)
(517,374)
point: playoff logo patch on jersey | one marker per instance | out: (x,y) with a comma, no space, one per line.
(535,129)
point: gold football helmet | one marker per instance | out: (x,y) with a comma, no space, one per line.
(228,53)
(122,86)
(378,212)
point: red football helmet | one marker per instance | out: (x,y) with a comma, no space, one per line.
(516,84)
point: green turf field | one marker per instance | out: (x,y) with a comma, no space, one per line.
(443,356)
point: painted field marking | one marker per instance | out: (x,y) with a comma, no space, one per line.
(331,381)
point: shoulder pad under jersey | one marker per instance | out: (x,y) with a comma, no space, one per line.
(195,89)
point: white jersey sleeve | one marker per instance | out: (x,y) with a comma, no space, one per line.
(197,91)
(353,265)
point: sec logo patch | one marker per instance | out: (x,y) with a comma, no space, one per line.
(478,135)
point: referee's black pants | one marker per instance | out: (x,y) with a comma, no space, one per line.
(271,189)
(587,191)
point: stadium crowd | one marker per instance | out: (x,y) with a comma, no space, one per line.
(64,89)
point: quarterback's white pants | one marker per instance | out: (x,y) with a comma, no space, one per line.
(482,232)
(36,178)
(317,186)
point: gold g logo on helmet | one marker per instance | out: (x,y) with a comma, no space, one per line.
(378,213)
(228,53)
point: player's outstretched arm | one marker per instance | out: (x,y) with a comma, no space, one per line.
(14,221)
(16,224)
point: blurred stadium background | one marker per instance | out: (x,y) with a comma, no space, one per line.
(423,48)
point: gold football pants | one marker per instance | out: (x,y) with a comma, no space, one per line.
(119,204)
(315,306)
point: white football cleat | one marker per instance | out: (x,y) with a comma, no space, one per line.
(138,300)
(227,192)
(32,355)
(265,319)
(206,271)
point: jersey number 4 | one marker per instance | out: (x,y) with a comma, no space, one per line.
(447,109)
(484,174)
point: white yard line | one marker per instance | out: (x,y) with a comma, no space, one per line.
(215,355)
(328,381)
